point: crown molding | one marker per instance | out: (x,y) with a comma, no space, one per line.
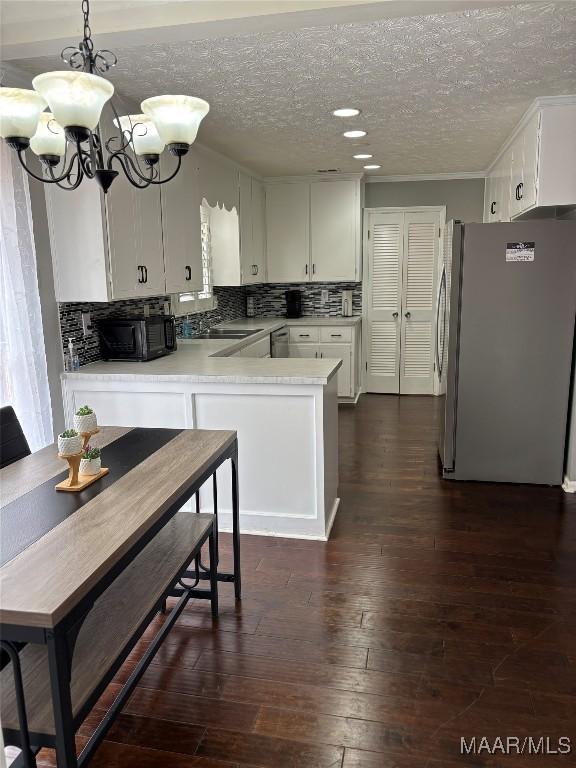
(427,177)
(539,103)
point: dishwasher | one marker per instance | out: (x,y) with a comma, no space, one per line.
(280,340)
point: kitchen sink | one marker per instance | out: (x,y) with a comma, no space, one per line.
(227,333)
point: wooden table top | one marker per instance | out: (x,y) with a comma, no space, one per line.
(45,580)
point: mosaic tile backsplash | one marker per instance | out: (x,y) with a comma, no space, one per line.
(269,302)
(231,306)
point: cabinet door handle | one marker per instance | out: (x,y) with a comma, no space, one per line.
(493,207)
(407,314)
(141,271)
(336,335)
(257,268)
(315,354)
(519,193)
(313,269)
(304,335)
(188,271)
(145,274)
(306,268)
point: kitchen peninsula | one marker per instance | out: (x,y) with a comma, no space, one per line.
(284,410)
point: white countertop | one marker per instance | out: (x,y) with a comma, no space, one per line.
(209,360)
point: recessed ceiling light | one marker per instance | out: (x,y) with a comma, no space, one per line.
(346,112)
(354,134)
(362,157)
(372,167)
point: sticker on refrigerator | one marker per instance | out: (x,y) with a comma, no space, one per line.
(520,251)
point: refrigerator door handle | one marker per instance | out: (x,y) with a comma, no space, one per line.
(441,291)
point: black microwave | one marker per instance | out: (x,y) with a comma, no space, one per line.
(136,338)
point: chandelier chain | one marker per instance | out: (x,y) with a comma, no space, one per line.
(87,31)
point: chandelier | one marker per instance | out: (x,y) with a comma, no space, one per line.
(68,139)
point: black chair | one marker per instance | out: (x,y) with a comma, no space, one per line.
(13,444)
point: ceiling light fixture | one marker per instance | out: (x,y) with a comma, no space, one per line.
(354,134)
(362,157)
(68,139)
(346,112)
(372,167)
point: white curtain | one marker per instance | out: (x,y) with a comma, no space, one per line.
(23,373)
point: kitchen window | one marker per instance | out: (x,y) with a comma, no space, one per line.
(203,300)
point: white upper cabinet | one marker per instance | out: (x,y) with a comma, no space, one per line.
(287,232)
(181,228)
(238,255)
(313,230)
(537,166)
(252,230)
(259,230)
(334,230)
(105,247)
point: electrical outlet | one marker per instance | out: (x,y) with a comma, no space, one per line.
(167,308)
(146,310)
(324,296)
(87,327)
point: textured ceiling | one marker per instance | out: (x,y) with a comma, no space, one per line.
(438,94)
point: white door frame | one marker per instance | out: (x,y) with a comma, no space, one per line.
(440,209)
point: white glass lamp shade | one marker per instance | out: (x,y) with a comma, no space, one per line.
(19,112)
(177,118)
(49,138)
(75,98)
(145,138)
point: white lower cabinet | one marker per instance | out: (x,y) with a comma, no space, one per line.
(330,343)
(340,352)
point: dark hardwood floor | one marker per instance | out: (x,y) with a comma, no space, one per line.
(436,611)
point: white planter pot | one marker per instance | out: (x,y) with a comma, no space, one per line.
(68,446)
(85,423)
(90,466)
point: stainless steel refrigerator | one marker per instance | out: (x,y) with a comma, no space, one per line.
(505,344)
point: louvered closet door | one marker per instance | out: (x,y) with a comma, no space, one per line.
(421,244)
(385,247)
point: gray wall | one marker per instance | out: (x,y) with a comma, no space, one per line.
(463,198)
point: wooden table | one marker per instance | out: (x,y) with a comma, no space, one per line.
(83,574)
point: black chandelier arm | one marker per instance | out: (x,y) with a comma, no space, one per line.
(128,166)
(122,156)
(53,180)
(85,161)
(71,185)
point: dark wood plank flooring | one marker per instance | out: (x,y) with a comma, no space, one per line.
(436,611)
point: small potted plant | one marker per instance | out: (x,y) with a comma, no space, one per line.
(69,443)
(85,420)
(90,463)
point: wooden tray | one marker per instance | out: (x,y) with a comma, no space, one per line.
(76,482)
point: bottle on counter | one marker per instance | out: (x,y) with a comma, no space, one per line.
(71,360)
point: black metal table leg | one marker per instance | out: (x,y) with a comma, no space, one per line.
(59,663)
(213,551)
(28,757)
(236,527)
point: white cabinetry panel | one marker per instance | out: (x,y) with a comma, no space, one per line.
(181,228)
(287,232)
(334,230)
(537,165)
